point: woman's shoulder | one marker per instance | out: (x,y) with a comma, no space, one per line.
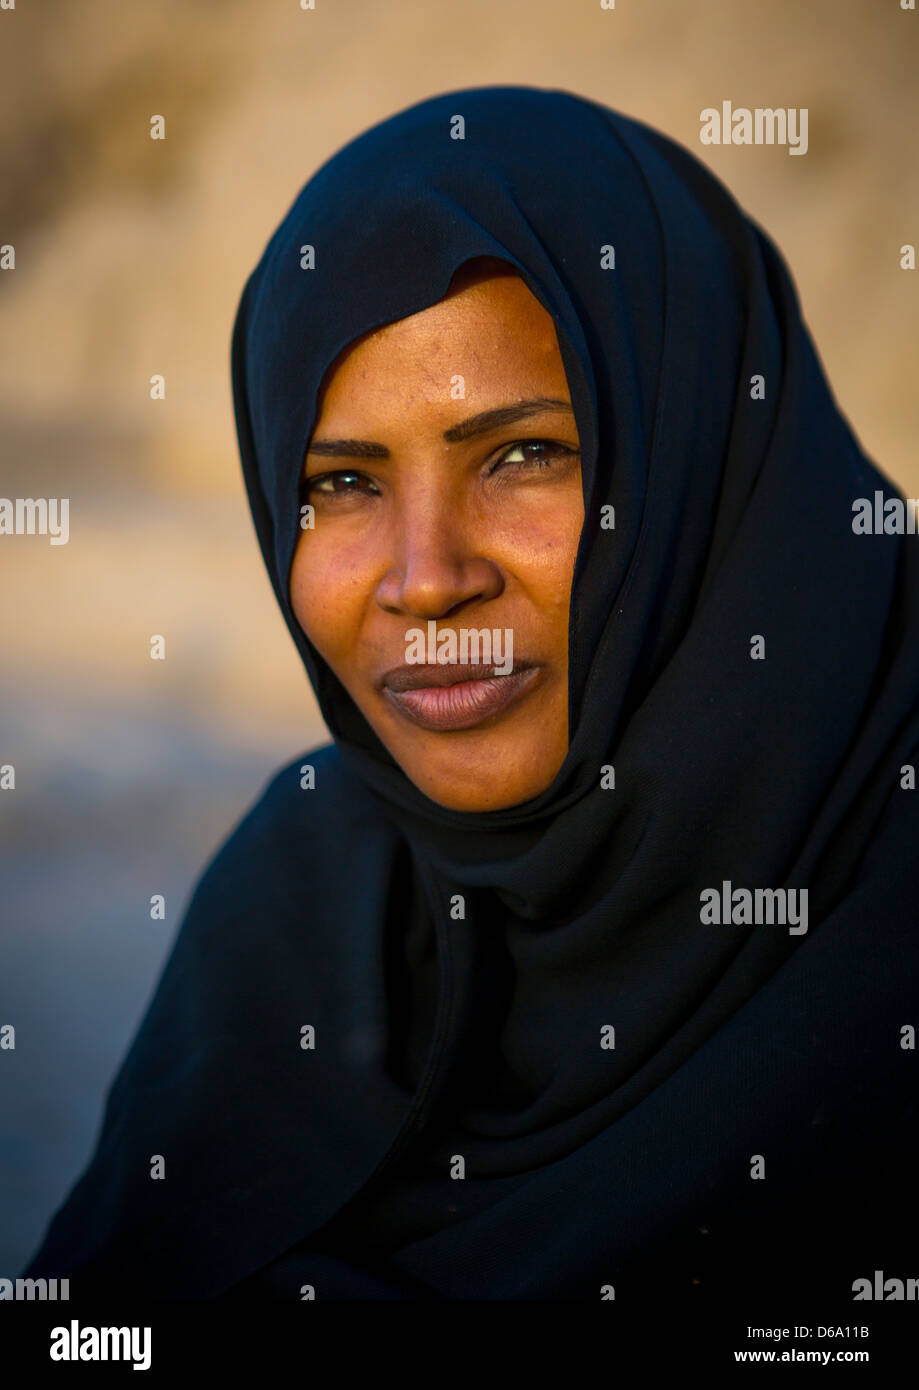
(315,791)
(267,941)
(266,908)
(303,826)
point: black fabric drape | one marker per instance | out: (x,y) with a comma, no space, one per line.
(481,1036)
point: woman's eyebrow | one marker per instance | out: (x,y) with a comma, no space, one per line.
(503,415)
(481,423)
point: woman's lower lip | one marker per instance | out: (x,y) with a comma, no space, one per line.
(462,706)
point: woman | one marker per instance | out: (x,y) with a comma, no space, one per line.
(581,965)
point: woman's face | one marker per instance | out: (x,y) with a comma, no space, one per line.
(445,479)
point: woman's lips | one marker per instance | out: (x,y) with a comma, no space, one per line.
(464,703)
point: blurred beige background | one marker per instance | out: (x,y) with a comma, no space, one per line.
(130,258)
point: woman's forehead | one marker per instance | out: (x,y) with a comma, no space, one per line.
(486,327)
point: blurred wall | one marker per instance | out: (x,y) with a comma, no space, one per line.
(130,258)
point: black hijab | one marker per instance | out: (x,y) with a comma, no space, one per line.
(706,422)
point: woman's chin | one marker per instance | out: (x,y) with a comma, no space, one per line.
(492,784)
(510,761)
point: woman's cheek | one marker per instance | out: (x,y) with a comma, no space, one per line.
(545,555)
(329,591)
(544,523)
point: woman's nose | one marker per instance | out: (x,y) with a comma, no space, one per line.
(436,567)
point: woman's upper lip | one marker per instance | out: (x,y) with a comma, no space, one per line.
(448,673)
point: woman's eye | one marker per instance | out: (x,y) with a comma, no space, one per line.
(527,455)
(532,454)
(339,484)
